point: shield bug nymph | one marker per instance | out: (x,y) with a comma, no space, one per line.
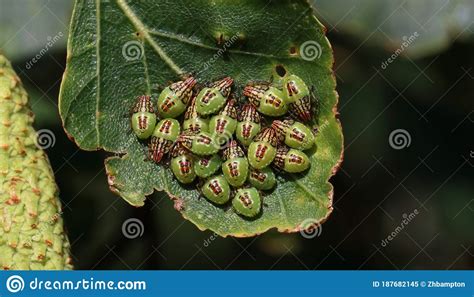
(216,189)
(235,167)
(262,179)
(143,117)
(291,160)
(294,88)
(173,99)
(298,96)
(223,125)
(165,133)
(249,124)
(193,121)
(262,150)
(267,99)
(201,143)
(207,165)
(158,147)
(213,97)
(168,129)
(301,109)
(182,164)
(294,134)
(247,202)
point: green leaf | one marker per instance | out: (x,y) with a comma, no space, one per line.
(104,75)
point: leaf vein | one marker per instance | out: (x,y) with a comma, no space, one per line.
(147,76)
(145,31)
(214,48)
(306,190)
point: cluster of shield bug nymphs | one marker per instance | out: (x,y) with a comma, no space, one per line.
(228,147)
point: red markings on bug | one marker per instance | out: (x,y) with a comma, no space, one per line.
(301,109)
(204,139)
(158,148)
(204,162)
(292,89)
(184,166)
(224,85)
(261,151)
(245,198)
(269,135)
(165,128)
(143,104)
(260,176)
(273,100)
(295,159)
(250,114)
(183,89)
(233,169)
(246,129)
(297,135)
(215,187)
(208,97)
(143,122)
(156,155)
(220,125)
(168,103)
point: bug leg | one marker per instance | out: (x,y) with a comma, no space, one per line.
(271,79)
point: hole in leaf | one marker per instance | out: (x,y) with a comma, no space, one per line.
(280,70)
(293,50)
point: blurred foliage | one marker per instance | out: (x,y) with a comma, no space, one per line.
(391,22)
(26,26)
(436,107)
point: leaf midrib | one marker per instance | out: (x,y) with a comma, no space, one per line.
(140,26)
(146,34)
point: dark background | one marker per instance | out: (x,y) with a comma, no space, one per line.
(430,95)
